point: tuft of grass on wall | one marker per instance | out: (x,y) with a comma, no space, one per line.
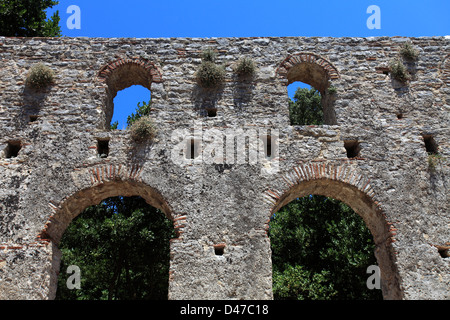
(332,90)
(143,129)
(408,52)
(208,55)
(399,71)
(434,160)
(210,75)
(40,76)
(245,67)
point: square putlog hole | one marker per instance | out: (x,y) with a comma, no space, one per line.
(211,112)
(103,148)
(219,249)
(444,251)
(12,149)
(430,145)
(353,148)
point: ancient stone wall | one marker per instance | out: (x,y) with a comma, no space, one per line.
(371,153)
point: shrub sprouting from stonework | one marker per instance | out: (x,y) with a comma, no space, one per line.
(40,76)
(209,75)
(332,90)
(245,67)
(399,71)
(143,129)
(408,52)
(208,55)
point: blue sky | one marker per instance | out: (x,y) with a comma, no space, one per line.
(248,18)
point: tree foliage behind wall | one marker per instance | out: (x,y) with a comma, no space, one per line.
(122,248)
(306,107)
(320,250)
(27,18)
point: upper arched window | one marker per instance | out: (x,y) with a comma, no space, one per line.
(311,69)
(123,73)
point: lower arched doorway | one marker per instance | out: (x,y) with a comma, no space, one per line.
(321,250)
(343,183)
(121,249)
(144,211)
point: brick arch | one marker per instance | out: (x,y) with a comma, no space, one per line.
(101,182)
(108,70)
(96,184)
(308,68)
(123,73)
(344,183)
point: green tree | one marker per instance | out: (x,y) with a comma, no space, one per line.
(122,249)
(320,250)
(114,125)
(27,18)
(306,107)
(141,111)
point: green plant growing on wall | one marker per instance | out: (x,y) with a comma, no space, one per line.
(245,67)
(141,111)
(209,55)
(408,52)
(332,90)
(114,125)
(209,75)
(143,129)
(399,71)
(40,76)
(433,160)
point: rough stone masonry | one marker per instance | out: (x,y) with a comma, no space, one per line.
(383,150)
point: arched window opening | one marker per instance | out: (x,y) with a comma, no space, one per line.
(122,74)
(321,250)
(316,105)
(122,250)
(316,72)
(125,104)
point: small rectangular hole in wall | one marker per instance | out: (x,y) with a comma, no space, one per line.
(12,149)
(33,118)
(383,69)
(103,148)
(353,148)
(211,112)
(219,249)
(444,251)
(430,145)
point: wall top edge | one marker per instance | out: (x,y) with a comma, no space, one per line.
(375,38)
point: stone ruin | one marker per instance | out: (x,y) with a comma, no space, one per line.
(383,150)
